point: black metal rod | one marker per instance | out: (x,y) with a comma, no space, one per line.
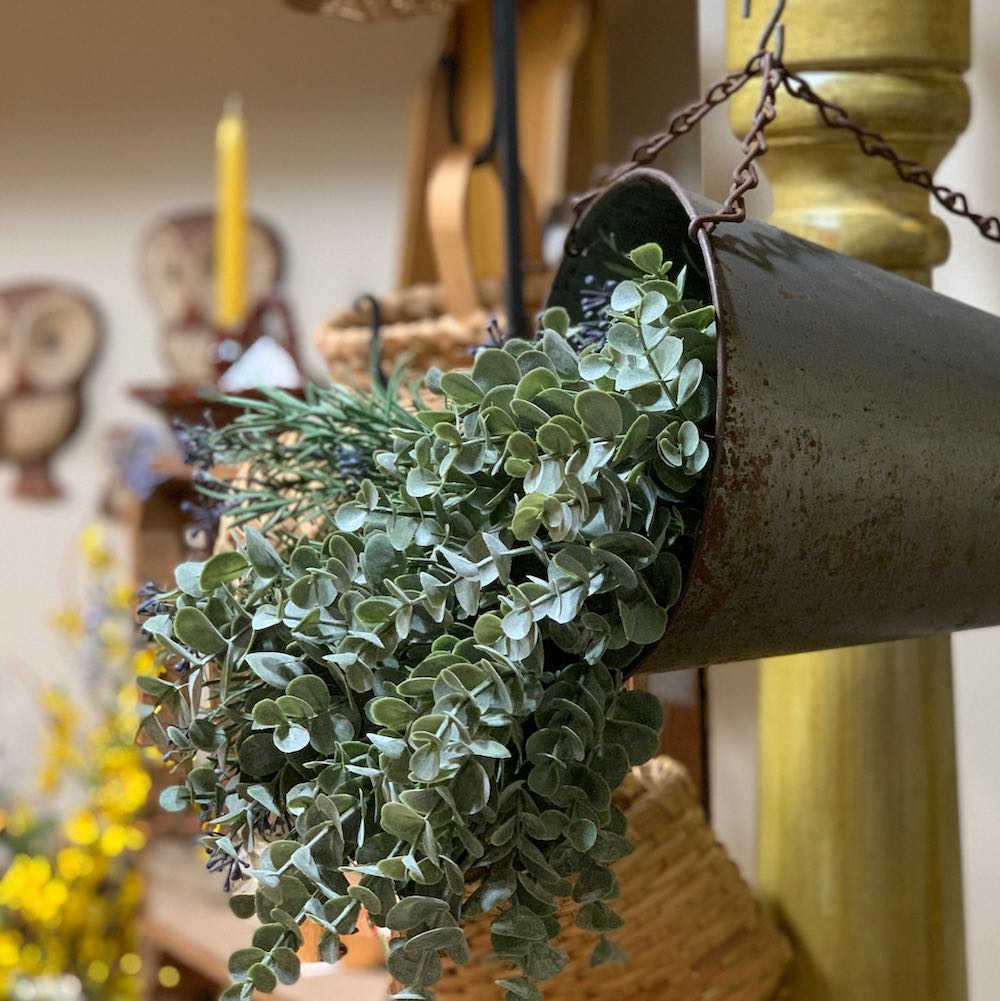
(505,110)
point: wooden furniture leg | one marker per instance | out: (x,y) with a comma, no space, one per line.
(858,846)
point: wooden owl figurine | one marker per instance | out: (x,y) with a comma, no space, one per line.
(178,272)
(50,335)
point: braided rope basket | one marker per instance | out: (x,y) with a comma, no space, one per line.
(693,931)
(416,326)
(373,10)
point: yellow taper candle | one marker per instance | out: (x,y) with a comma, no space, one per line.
(231,217)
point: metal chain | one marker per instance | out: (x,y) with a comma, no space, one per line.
(873,144)
(681,124)
(767,64)
(754,145)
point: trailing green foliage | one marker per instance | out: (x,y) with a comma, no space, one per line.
(431,696)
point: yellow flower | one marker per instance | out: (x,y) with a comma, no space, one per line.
(94,549)
(131,963)
(16,822)
(118,838)
(70,622)
(144,663)
(82,828)
(74,863)
(120,597)
(31,958)
(58,913)
(10,948)
(97,971)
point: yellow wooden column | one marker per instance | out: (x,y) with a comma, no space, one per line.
(858,829)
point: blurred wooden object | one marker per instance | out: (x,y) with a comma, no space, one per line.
(435,325)
(858,827)
(178,277)
(187,921)
(456,106)
(684,737)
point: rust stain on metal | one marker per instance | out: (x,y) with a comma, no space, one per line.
(848,502)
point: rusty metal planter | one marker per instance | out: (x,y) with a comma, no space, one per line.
(855,490)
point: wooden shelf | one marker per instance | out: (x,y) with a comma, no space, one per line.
(186,918)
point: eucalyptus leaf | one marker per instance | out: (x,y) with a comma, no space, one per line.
(222,568)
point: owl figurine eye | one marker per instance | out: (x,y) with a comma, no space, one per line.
(60,336)
(167,273)
(49,340)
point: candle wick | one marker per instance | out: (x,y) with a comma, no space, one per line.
(233,106)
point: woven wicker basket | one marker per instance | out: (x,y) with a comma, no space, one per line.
(415,324)
(373,10)
(693,931)
(435,324)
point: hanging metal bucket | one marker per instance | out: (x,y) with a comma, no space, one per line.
(855,491)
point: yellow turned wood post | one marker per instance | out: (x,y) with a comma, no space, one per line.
(858,828)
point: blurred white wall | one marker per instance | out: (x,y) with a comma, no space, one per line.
(972,274)
(107,116)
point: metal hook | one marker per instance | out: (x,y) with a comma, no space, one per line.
(375,345)
(772,28)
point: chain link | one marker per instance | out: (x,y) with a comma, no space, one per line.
(767,64)
(680,125)
(754,146)
(875,145)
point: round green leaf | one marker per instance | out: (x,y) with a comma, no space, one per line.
(242,905)
(268,713)
(193,627)
(625,297)
(242,960)
(310,689)
(534,382)
(221,568)
(174,799)
(582,833)
(648,258)
(262,977)
(599,413)
(411,912)
(460,388)
(286,964)
(391,712)
(494,367)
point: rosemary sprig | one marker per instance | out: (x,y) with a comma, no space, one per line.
(290,460)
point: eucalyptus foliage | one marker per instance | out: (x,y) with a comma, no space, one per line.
(431,697)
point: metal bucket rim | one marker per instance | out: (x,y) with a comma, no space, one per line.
(667,186)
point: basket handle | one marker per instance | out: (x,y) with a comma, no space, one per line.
(448,222)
